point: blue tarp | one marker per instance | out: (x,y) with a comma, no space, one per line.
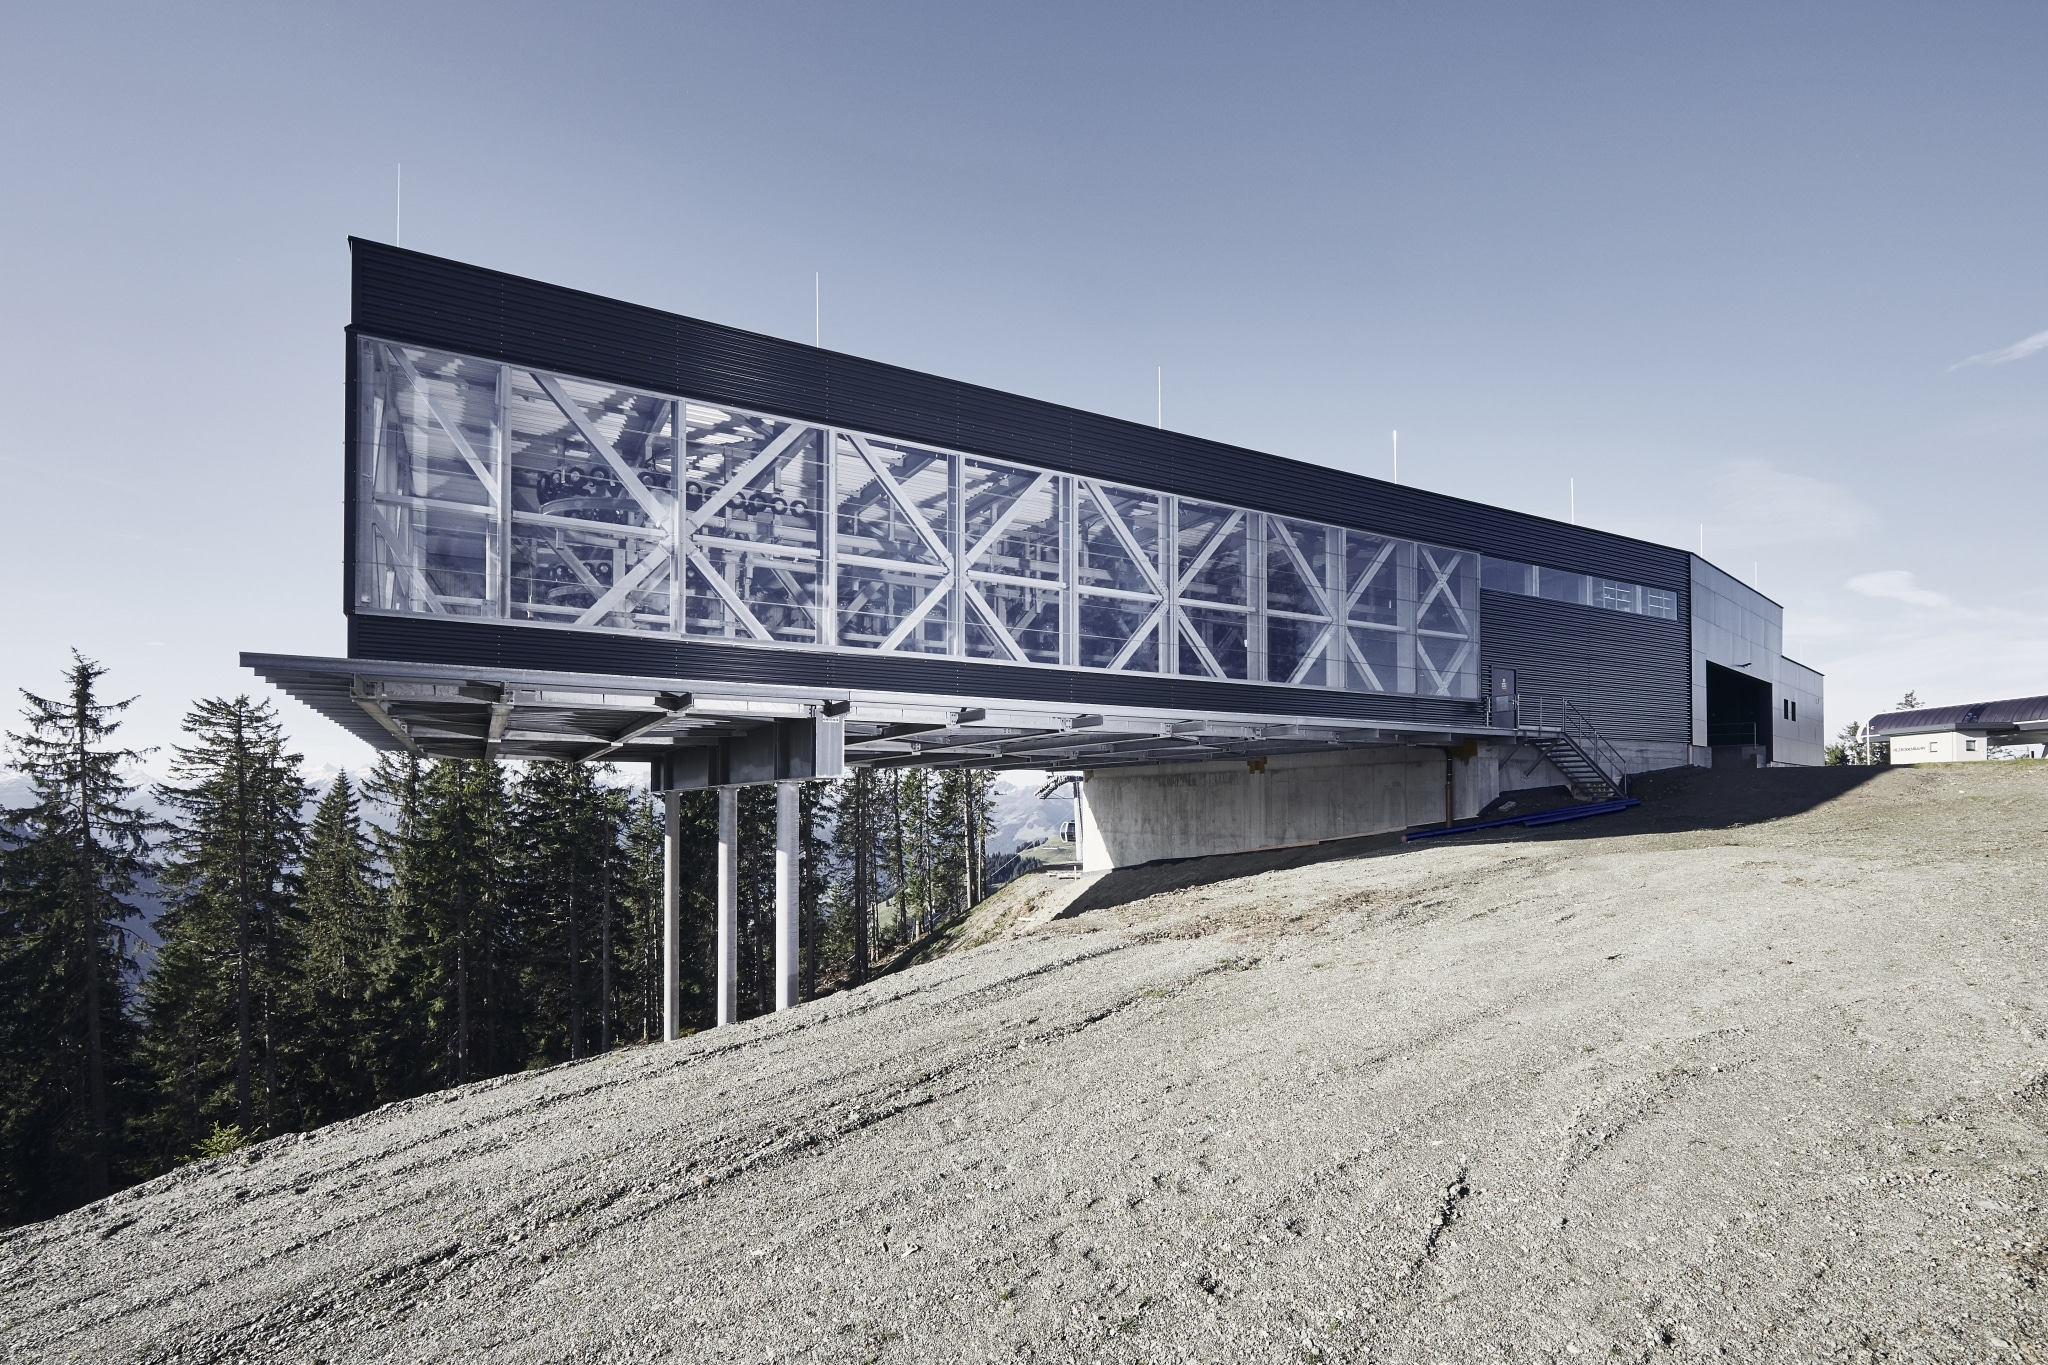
(1541,817)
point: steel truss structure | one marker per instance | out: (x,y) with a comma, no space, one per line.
(492,491)
(438,711)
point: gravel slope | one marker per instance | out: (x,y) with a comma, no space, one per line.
(1642,1088)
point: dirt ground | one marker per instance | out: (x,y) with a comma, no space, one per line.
(1756,1072)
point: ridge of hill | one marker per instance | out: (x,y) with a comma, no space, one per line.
(1756,1071)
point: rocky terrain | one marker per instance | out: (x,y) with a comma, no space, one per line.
(1758,1072)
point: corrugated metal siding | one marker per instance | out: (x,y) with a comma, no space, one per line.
(483,645)
(428,301)
(349,424)
(1631,675)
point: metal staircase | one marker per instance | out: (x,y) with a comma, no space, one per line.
(1561,733)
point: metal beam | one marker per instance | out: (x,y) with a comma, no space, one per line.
(733,601)
(1058,741)
(913,618)
(501,714)
(1301,564)
(1137,639)
(1076,751)
(402,559)
(903,500)
(1002,523)
(382,715)
(1210,546)
(1125,534)
(748,472)
(996,739)
(964,716)
(640,728)
(462,445)
(595,439)
(630,582)
(995,621)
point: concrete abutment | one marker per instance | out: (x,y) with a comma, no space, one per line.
(1142,814)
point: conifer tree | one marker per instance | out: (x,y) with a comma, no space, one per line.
(223,1004)
(67,861)
(859,836)
(343,911)
(818,867)
(898,817)
(450,979)
(639,887)
(393,1042)
(566,831)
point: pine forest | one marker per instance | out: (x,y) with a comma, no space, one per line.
(438,922)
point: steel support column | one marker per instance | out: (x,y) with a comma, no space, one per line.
(728,905)
(788,853)
(671,915)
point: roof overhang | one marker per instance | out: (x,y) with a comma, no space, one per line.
(449,711)
(2021,720)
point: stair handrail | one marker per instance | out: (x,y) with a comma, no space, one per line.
(1594,745)
(1558,715)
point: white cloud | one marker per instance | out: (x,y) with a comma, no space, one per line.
(1896,585)
(2019,350)
(1948,660)
(1753,502)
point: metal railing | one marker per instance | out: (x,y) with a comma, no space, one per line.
(1555,715)
(1732,734)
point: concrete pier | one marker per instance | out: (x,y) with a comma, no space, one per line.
(728,910)
(671,916)
(788,856)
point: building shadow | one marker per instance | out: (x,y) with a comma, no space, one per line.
(1674,801)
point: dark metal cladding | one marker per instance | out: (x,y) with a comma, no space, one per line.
(350,423)
(428,301)
(1977,715)
(1631,675)
(487,645)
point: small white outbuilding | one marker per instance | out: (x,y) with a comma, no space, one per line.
(1961,734)
(1951,747)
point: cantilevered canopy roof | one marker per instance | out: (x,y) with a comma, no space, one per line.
(441,711)
(2019,716)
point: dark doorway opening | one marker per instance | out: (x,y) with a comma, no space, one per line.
(1738,710)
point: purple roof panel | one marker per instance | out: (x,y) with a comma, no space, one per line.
(1980,715)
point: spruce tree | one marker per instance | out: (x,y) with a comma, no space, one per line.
(448,997)
(859,836)
(393,1042)
(639,912)
(224,1004)
(818,813)
(756,985)
(565,831)
(343,911)
(67,861)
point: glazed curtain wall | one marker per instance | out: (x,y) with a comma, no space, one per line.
(490,491)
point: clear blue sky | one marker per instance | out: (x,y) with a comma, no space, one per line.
(1719,264)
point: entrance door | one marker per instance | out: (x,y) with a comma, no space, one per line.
(1738,710)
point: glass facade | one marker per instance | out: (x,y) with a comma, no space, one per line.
(495,491)
(1530,580)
